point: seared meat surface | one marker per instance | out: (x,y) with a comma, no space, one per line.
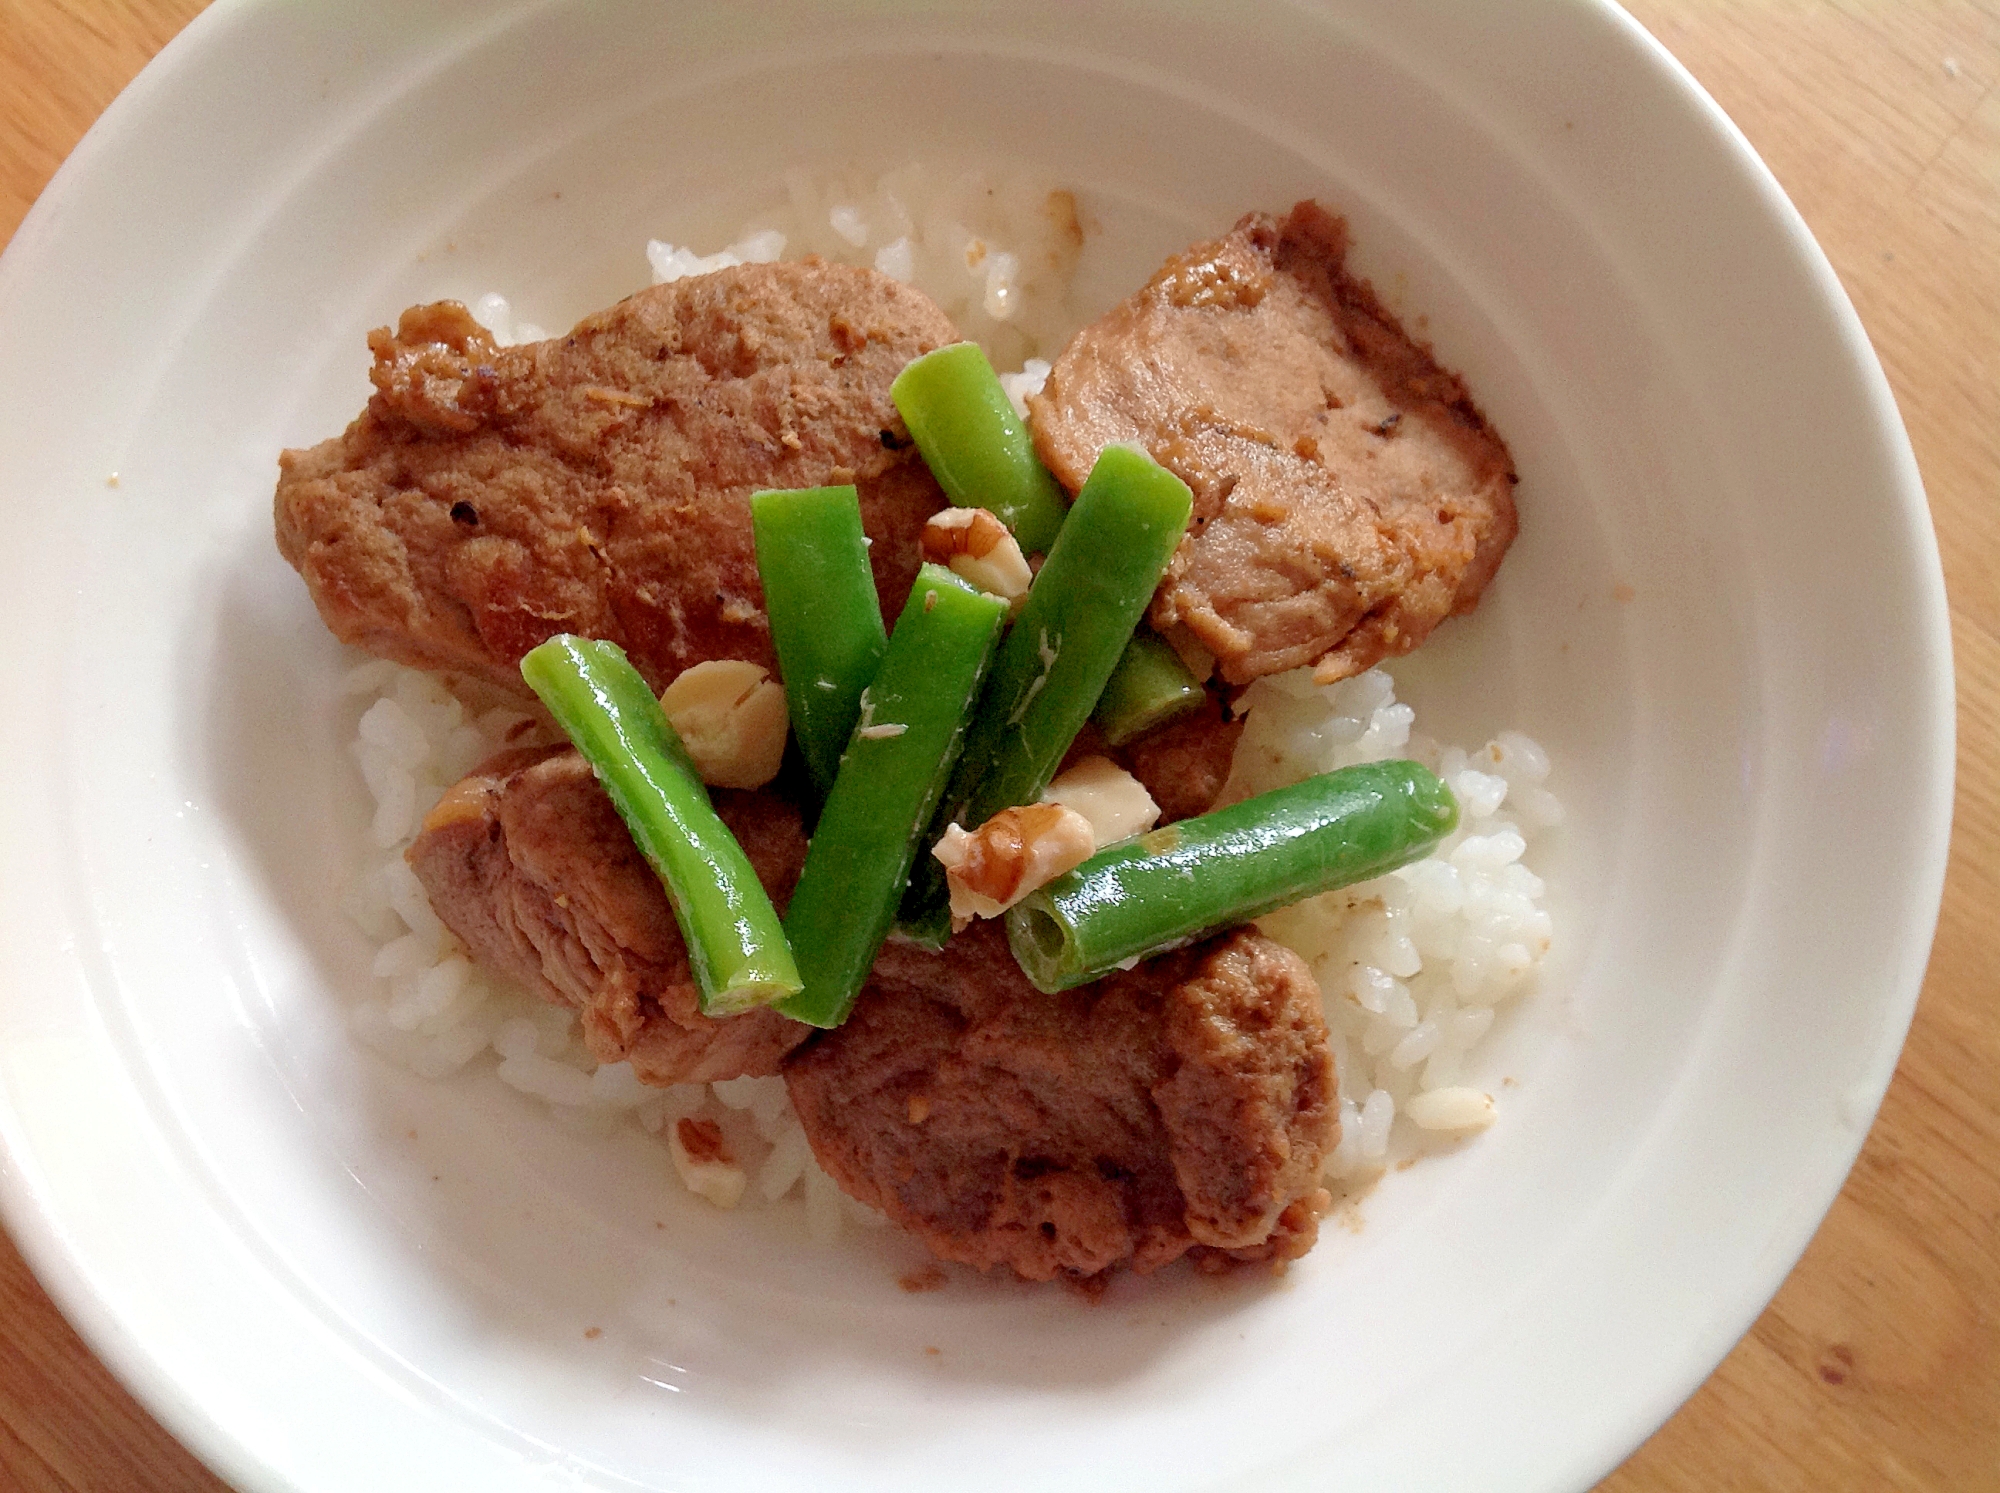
(527,862)
(1185,763)
(1184,1105)
(598,483)
(1182,764)
(1348,494)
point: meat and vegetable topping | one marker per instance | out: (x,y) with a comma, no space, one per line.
(735,946)
(1258,453)
(530,866)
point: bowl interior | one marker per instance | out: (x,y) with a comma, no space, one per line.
(1702,441)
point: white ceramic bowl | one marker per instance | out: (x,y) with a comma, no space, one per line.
(1724,617)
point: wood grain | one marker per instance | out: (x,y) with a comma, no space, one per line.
(1878,1364)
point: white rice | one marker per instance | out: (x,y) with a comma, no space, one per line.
(1412,967)
(996,252)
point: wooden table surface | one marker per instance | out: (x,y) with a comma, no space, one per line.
(1878,1364)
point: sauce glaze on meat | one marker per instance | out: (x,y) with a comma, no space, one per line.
(1348,494)
(599,482)
(1185,1104)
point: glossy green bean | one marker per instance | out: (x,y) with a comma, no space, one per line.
(1174,884)
(912,726)
(826,622)
(1088,596)
(736,946)
(975,445)
(1150,687)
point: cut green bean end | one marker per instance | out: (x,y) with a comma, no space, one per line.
(976,445)
(1149,687)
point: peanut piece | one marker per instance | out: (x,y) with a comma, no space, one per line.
(702,1158)
(1116,803)
(976,547)
(731,715)
(991,868)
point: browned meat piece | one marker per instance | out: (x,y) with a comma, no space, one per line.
(1348,494)
(1185,1105)
(528,863)
(1185,762)
(599,483)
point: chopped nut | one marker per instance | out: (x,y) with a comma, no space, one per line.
(960,531)
(1003,572)
(1116,803)
(993,867)
(731,715)
(702,1158)
(920,1109)
(976,547)
(703,1142)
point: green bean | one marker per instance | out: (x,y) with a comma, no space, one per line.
(1150,687)
(735,944)
(1174,884)
(913,720)
(1072,630)
(975,445)
(826,622)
